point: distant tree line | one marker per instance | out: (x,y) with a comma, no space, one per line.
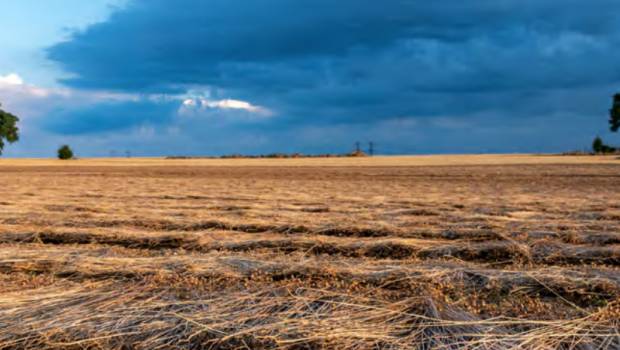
(274,156)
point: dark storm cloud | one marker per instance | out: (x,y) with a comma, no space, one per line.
(103,117)
(318,62)
(156,42)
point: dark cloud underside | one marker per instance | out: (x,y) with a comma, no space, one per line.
(350,62)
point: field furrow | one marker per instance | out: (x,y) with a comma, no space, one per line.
(194,256)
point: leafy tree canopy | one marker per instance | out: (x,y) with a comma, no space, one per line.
(597,145)
(65,152)
(8,128)
(614,114)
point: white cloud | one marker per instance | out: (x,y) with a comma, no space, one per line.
(11,79)
(235,104)
(30,101)
(196,104)
(33,101)
(189,103)
(13,85)
(26,100)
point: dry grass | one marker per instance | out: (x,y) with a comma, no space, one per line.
(451,252)
(383,161)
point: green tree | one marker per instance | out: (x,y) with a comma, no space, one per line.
(8,128)
(598,145)
(614,114)
(65,152)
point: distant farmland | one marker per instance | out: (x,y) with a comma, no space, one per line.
(442,252)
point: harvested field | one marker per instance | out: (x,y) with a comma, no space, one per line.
(446,252)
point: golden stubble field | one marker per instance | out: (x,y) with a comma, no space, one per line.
(444,252)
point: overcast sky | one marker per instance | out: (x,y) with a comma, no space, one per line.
(192,77)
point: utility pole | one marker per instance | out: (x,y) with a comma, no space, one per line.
(371,148)
(357,147)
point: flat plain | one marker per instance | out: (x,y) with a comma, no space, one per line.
(438,252)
